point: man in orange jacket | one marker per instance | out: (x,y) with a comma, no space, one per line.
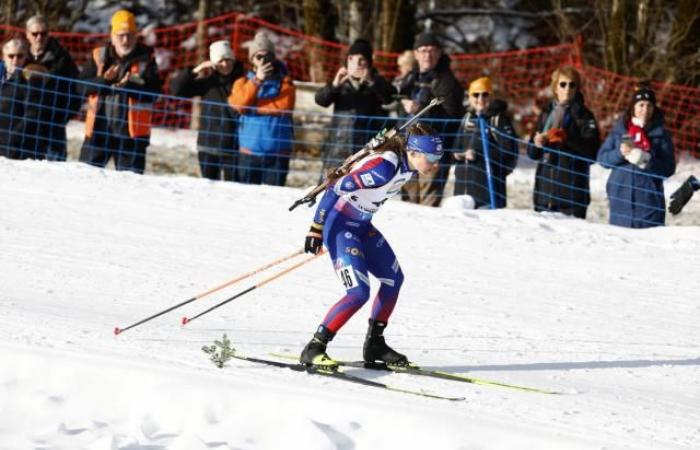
(121,84)
(265,99)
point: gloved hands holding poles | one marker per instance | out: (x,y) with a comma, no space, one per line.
(314,239)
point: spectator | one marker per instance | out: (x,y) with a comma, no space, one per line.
(217,142)
(265,98)
(406,62)
(432,78)
(12,98)
(121,83)
(357,94)
(60,98)
(683,194)
(565,143)
(640,152)
(470,171)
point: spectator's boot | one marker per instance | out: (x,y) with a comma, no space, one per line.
(375,348)
(314,354)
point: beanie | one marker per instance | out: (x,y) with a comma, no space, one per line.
(260,43)
(482,84)
(219,50)
(361,47)
(644,93)
(122,21)
(426,39)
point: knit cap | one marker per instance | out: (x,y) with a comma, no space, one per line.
(260,43)
(482,84)
(123,21)
(361,47)
(219,50)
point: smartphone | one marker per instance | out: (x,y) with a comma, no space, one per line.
(268,58)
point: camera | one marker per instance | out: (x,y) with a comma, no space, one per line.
(268,58)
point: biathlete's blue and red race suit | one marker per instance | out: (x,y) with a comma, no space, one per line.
(355,246)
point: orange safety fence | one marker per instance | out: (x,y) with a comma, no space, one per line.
(520,77)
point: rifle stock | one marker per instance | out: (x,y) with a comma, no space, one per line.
(310,198)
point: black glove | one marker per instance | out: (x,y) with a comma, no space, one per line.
(682,195)
(314,239)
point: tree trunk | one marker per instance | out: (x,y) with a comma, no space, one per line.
(397,25)
(8,11)
(615,45)
(316,19)
(355,20)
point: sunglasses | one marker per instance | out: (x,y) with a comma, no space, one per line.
(480,94)
(432,158)
(571,84)
(39,33)
(18,55)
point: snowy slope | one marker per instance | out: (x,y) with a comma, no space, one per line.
(608,315)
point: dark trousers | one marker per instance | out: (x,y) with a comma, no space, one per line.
(213,165)
(128,153)
(271,169)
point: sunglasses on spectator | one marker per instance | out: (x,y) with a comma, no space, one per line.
(39,33)
(480,94)
(17,55)
(571,84)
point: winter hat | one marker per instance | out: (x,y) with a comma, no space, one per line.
(482,84)
(644,93)
(426,39)
(220,50)
(122,21)
(260,43)
(361,47)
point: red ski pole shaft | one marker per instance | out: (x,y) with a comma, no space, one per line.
(186,320)
(276,262)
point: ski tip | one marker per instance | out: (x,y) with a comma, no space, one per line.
(117,330)
(185,320)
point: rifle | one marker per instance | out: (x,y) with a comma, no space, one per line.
(382,137)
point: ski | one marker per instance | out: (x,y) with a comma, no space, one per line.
(222,352)
(339,374)
(417,370)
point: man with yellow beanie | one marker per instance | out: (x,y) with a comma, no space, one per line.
(485,183)
(122,84)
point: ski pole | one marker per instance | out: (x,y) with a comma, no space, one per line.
(118,330)
(310,198)
(186,320)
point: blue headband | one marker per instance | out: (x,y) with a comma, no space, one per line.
(425,144)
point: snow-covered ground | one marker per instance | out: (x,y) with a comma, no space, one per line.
(606,314)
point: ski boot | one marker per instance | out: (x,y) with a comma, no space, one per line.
(314,354)
(375,348)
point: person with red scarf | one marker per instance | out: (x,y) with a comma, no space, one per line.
(639,150)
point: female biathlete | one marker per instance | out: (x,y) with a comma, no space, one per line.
(343,223)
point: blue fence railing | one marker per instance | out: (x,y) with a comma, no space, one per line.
(251,145)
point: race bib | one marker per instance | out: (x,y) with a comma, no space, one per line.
(347,276)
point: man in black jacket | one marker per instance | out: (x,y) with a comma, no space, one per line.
(432,78)
(212,80)
(59,98)
(121,83)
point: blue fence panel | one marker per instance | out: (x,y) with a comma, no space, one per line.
(252,145)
